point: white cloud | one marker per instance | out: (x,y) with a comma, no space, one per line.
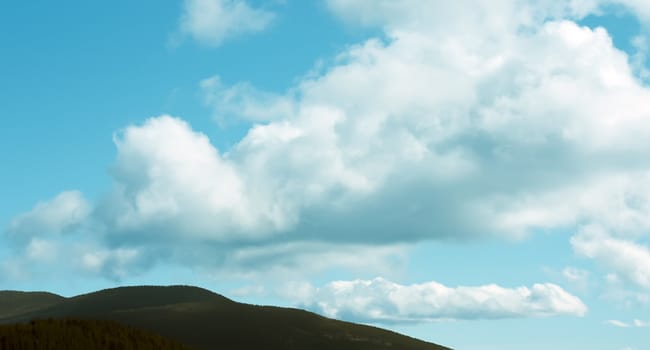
(170,179)
(573,274)
(506,112)
(58,215)
(570,125)
(245,101)
(628,260)
(640,57)
(41,250)
(379,300)
(618,201)
(633,324)
(212,22)
(641,324)
(639,7)
(114,263)
(617,323)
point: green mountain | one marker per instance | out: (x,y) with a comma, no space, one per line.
(205,320)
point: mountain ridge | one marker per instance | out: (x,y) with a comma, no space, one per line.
(203,319)
(14,302)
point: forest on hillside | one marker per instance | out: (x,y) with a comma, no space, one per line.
(75,334)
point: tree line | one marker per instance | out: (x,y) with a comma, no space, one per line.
(76,334)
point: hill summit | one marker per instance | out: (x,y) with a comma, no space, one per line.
(202,319)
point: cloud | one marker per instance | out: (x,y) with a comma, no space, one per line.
(499,13)
(243,100)
(65,226)
(616,200)
(617,323)
(633,324)
(58,215)
(628,260)
(212,22)
(115,264)
(42,250)
(508,113)
(640,57)
(559,127)
(640,7)
(299,259)
(382,301)
(575,275)
(172,180)
(639,323)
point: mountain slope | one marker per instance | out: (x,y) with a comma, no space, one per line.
(205,320)
(13,303)
(81,334)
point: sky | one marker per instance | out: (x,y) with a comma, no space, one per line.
(471,173)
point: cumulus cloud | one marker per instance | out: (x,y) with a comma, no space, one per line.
(463,121)
(626,259)
(62,234)
(211,22)
(170,178)
(58,215)
(569,125)
(618,201)
(382,301)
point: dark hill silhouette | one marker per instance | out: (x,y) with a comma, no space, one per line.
(13,303)
(205,320)
(82,335)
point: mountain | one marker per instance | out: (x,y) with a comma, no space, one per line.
(14,303)
(81,334)
(205,320)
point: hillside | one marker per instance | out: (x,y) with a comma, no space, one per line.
(13,303)
(205,320)
(82,335)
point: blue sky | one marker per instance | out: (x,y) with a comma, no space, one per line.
(475,174)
